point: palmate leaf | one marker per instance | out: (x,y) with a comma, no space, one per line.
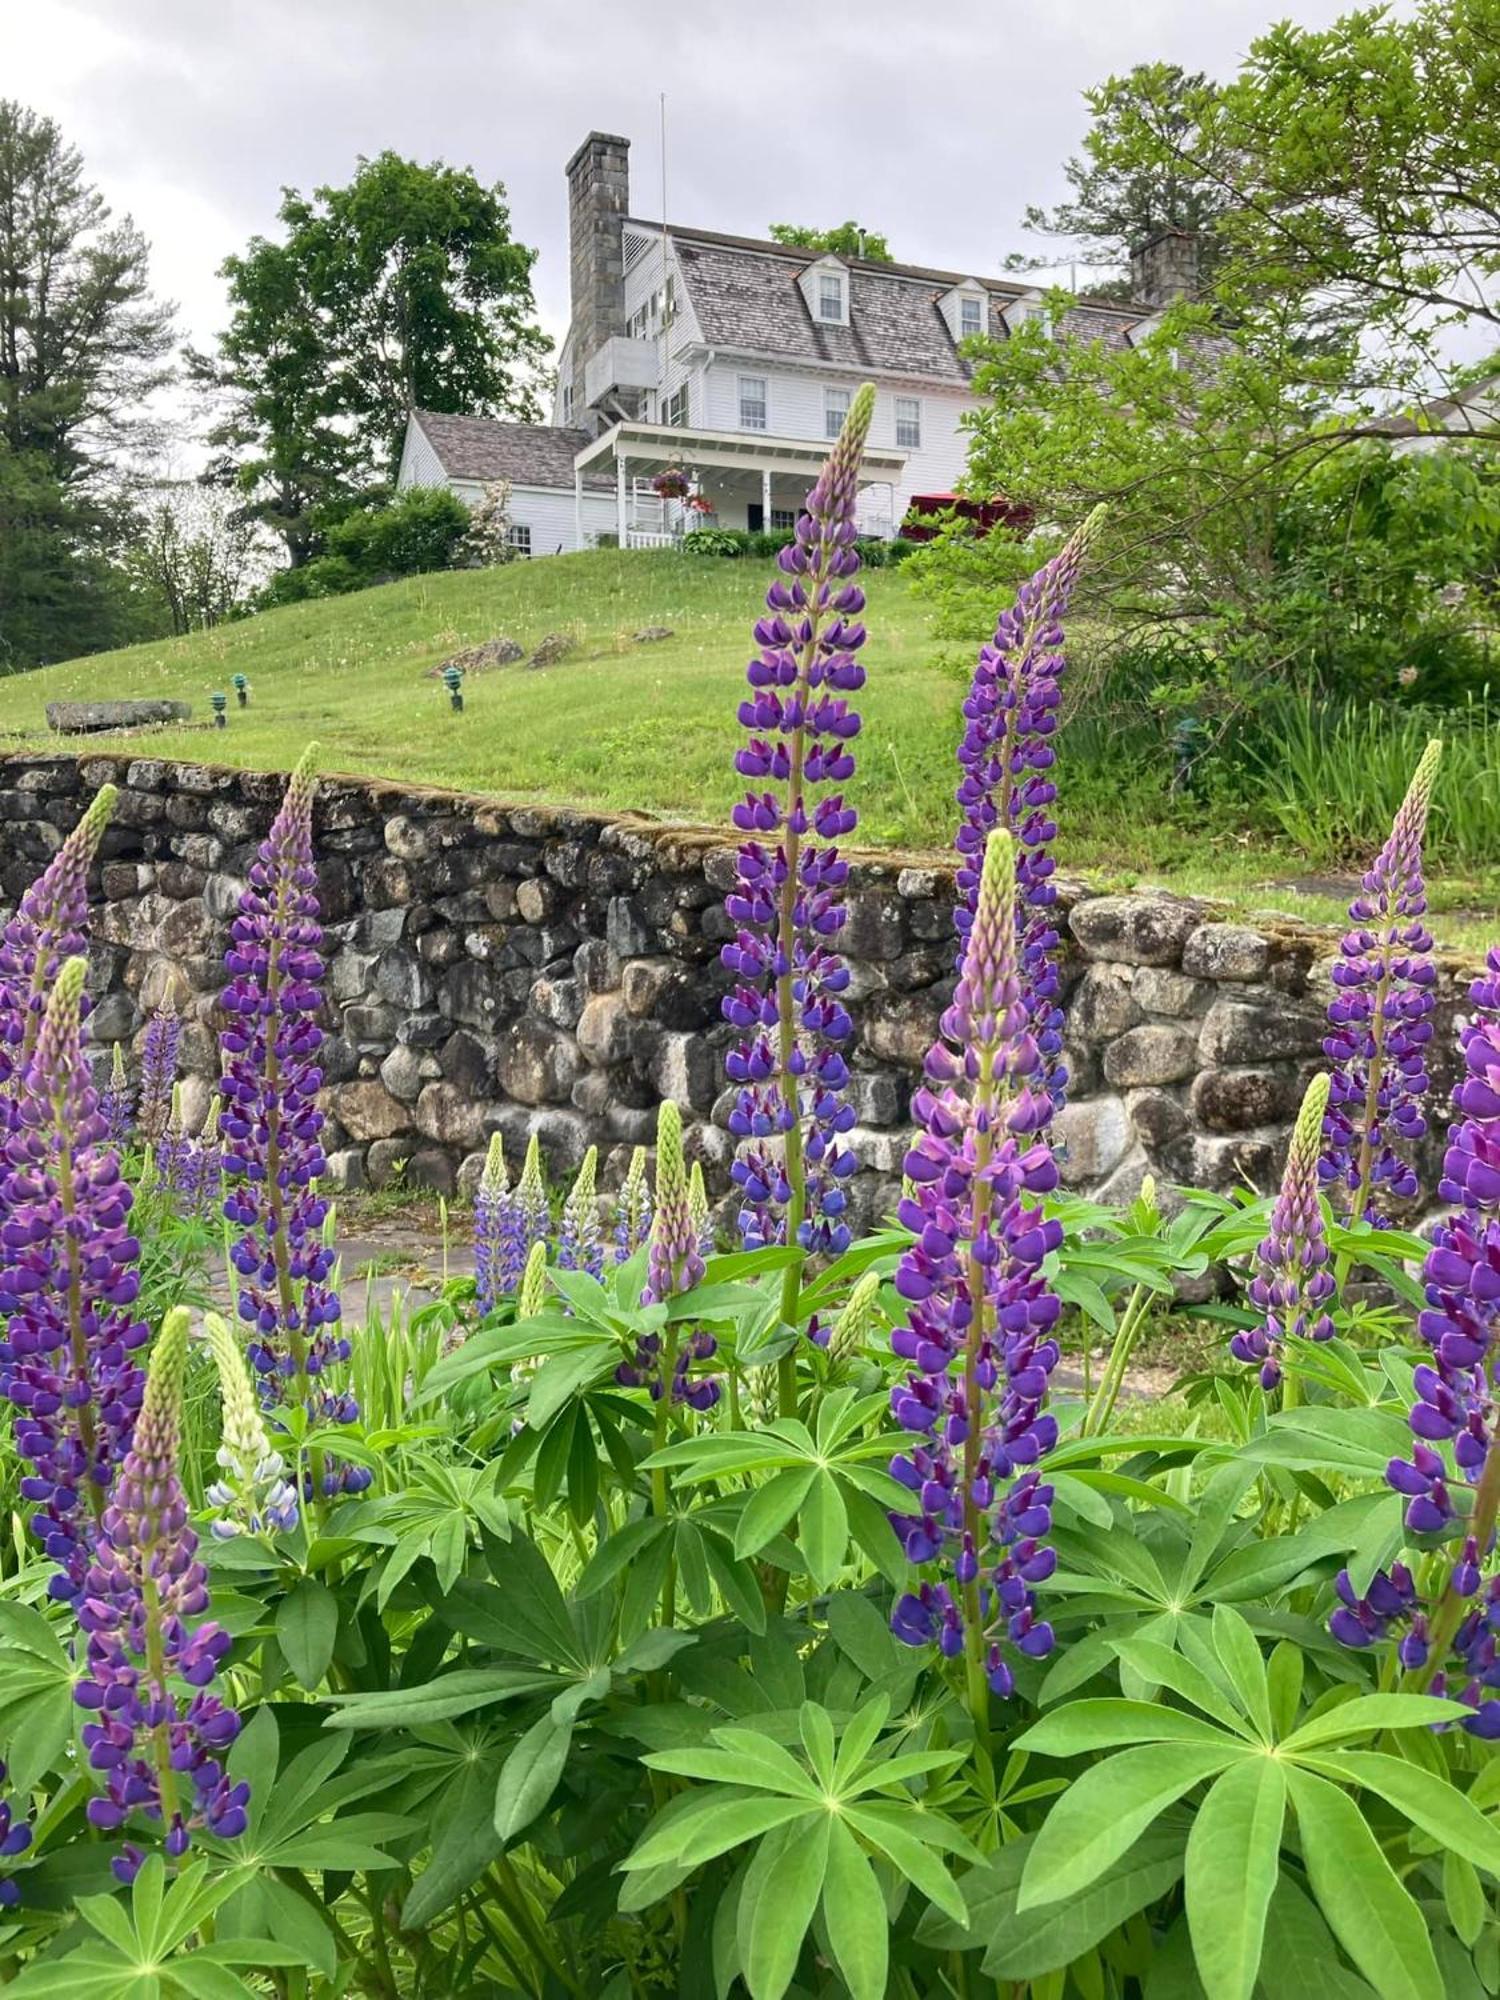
(782,1890)
(854,1911)
(1434,1804)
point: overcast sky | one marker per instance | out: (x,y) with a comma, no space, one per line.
(936,123)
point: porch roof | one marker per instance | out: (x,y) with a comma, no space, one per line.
(749,451)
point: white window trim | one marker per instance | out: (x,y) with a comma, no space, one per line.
(518,535)
(764,399)
(913,422)
(835,410)
(967,303)
(831,290)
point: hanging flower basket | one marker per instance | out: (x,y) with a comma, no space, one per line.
(671,484)
(699,503)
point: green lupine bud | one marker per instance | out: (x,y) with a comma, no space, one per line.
(698,1208)
(533,1293)
(762,1402)
(579,1247)
(253,1495)
(853,1325)
(493,1180)
(633,1214)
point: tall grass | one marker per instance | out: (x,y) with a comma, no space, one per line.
(1330,775)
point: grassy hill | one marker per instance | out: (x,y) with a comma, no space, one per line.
(617,724)
(651,728)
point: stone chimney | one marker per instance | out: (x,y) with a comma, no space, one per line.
(598,200)
(1164,268)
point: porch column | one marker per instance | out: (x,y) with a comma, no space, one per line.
(620,496)
(577,508)
(765,500)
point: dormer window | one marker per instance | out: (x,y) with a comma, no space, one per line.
(970,316)
(831,297)
(825,288)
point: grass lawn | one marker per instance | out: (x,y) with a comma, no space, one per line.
(647,728)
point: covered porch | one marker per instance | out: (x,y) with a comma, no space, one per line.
(734,479)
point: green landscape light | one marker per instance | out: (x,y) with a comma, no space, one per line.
(241,689)
(453,681)
(218,703)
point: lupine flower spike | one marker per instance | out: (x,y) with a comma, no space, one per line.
(1452,1648)
(700,1211)
(49,926)
(527,1217)
(1292,1285)
(160,1046)
(69,1278)
(1379,1020)
(253,1497)
(175,1169)
(116,1101)
(490,1221)
(159,1755)
(272,1127)
(787,1002)
(1006,756)
(673,1267)
(633,1213)
(978,1331)
(580,1245)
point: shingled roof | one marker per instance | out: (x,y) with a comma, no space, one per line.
(746,296)
(484,448)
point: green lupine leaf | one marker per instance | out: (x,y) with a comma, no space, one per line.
(530,1775)
(1240,1657)
(1233,1862)
(720,1823)
(854,1912)
(1109,1724)
(441,1700)
(902,1837)
(781,1892)
(824,1524)
(770,1507)
(1370,1912)
(1370,1712)
(1434,1804)
(307,1623)
(1106,1809)
(1464,1897)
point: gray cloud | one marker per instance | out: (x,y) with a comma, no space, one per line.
(937,124)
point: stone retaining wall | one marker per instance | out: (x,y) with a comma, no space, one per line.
(534,970)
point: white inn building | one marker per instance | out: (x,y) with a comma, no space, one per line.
(732,361)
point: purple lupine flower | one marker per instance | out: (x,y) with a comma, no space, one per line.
(272,1128)
(580,1246)
(633,1210)
(1006,754)
(117,1102)
(1452,1646)
(49,926)
(1292,1284)
(160,1755)
(1379,1019)
(69,1278)
(15,1838)
(674,1266)
(525,1219)
(490,1210)
(978,1332)
(160,1048)
(787,1001)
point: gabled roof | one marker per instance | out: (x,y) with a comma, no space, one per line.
(746,297)
(1473,412)
(485,448)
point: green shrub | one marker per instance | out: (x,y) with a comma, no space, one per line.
(419,531)
(715,542)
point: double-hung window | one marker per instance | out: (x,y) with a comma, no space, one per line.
(752,402)
(835,409)
(830,297)
(908,423)
(970,316)
(674,409)
(518,534)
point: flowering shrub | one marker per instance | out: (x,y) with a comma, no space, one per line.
(647,1618)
